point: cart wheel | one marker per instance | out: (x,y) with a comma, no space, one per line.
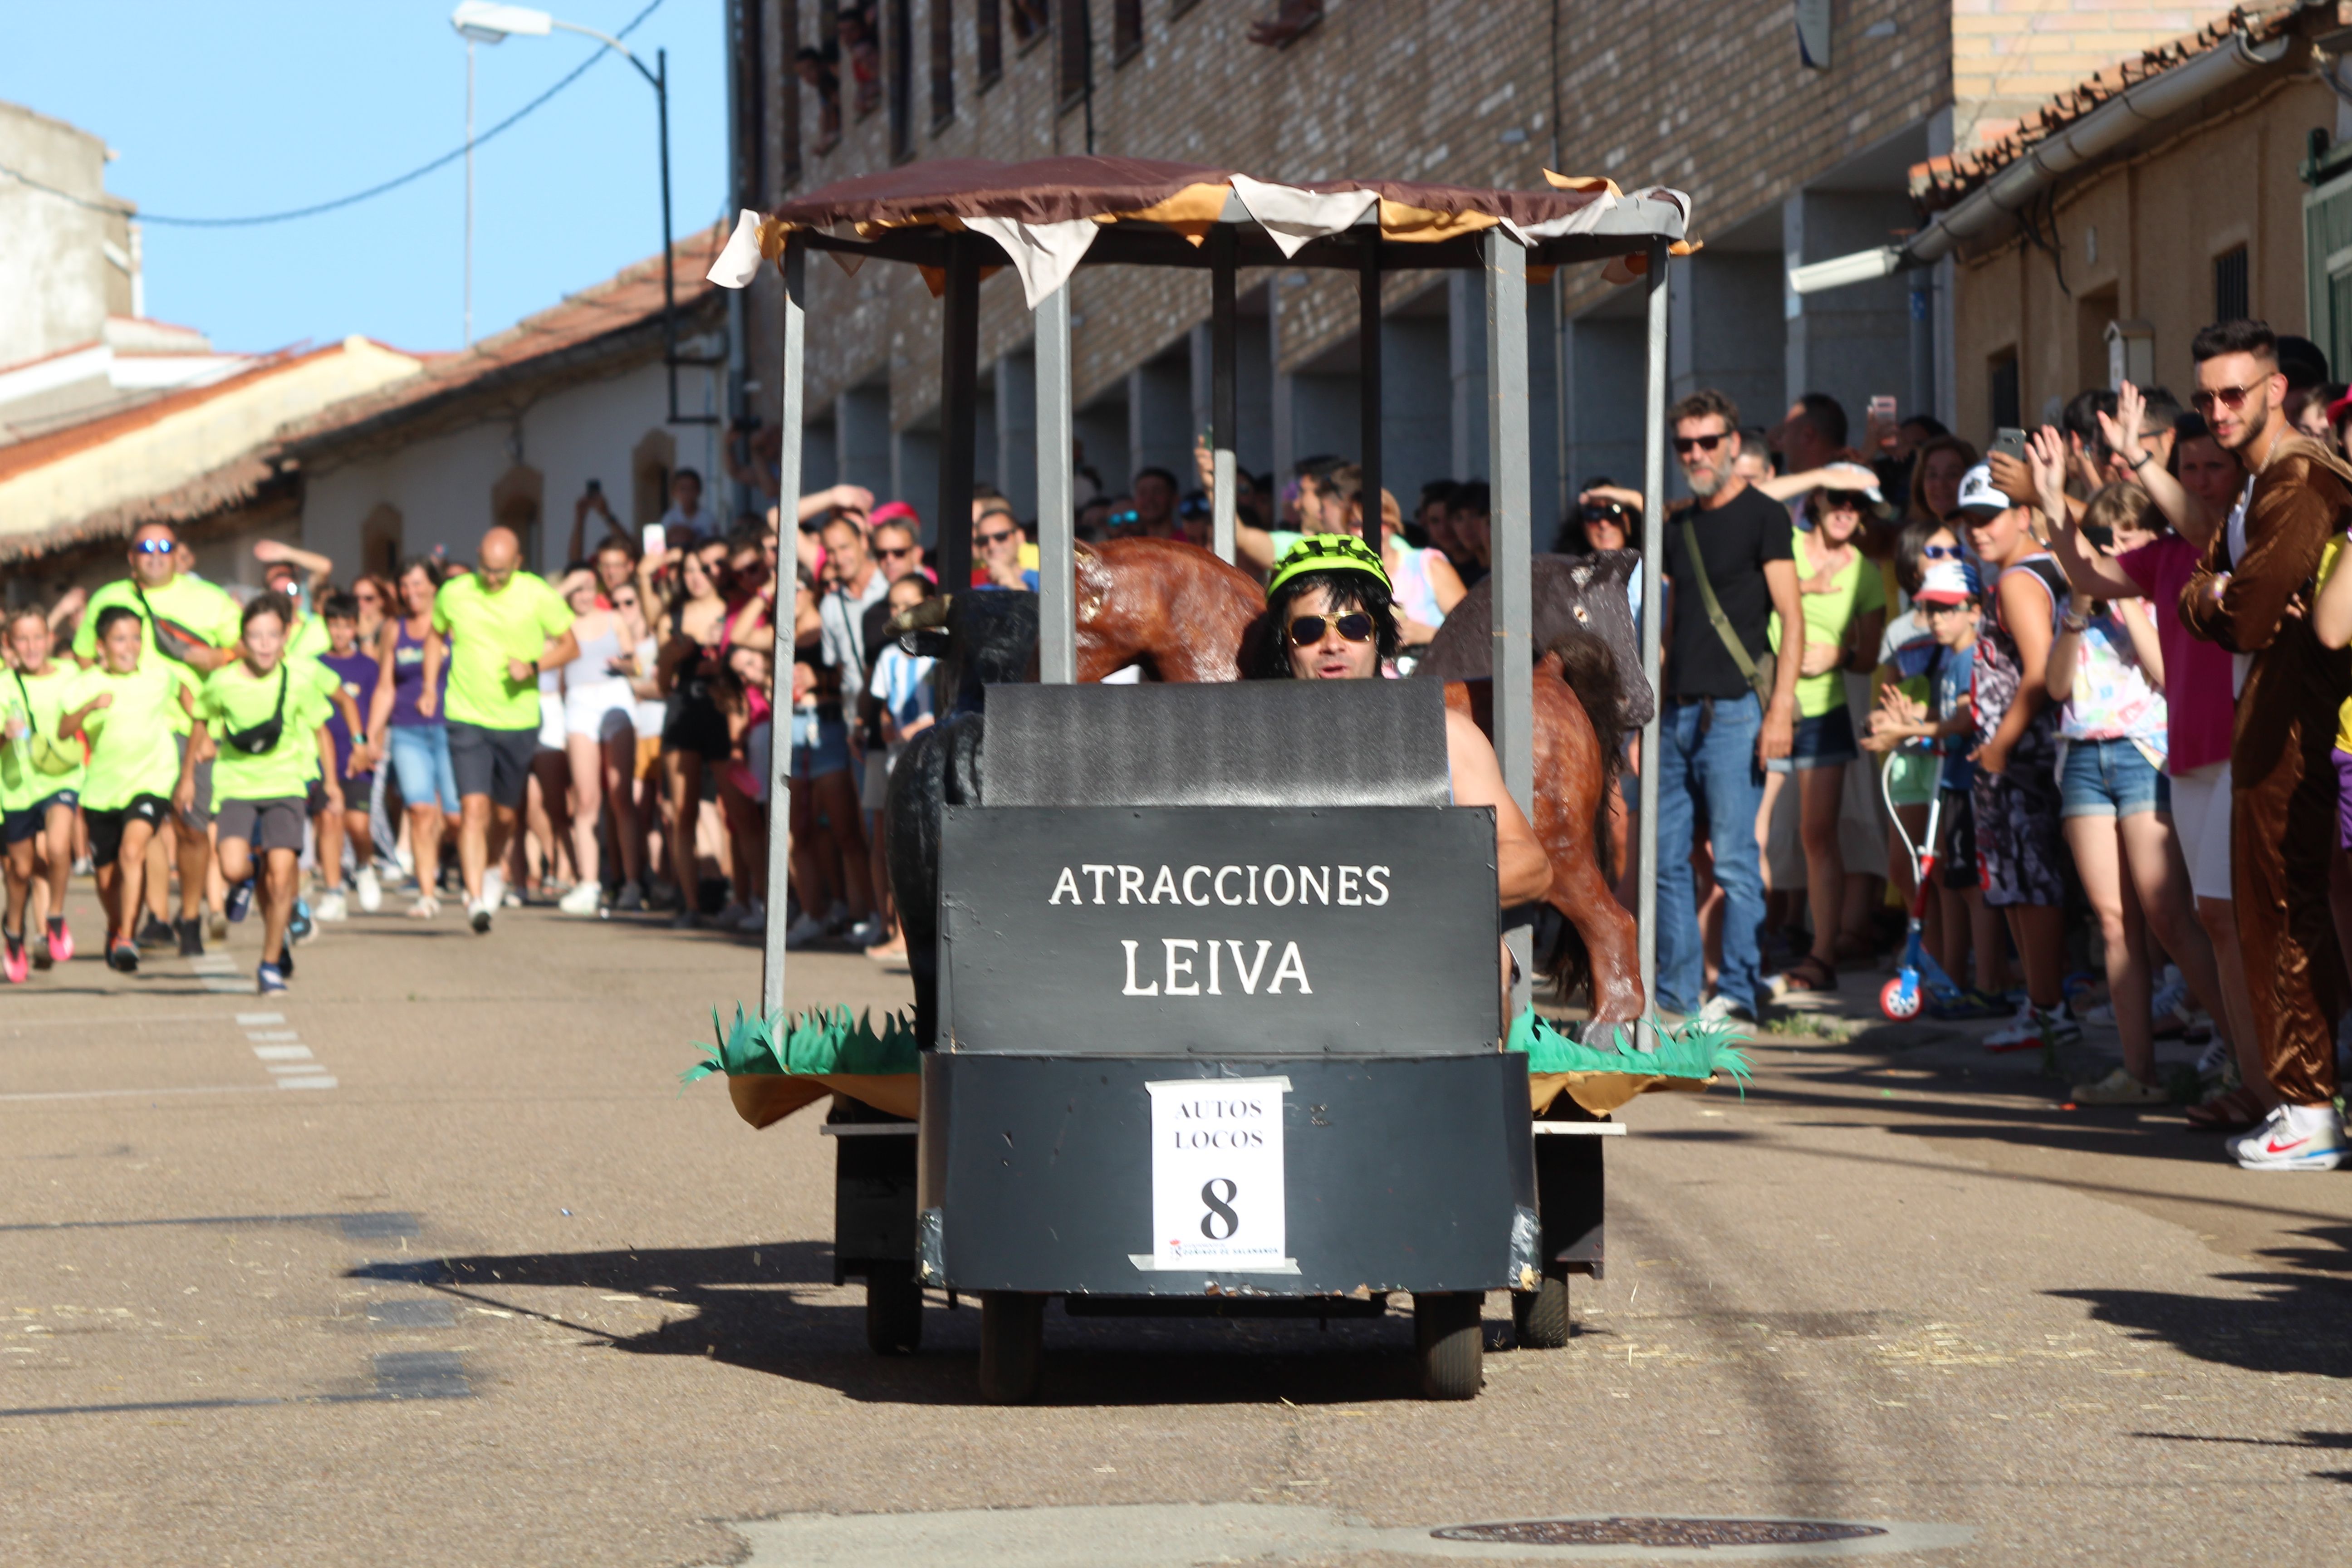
(894,1313)
(1450,1343)
(1896,1004)
(1012,1341)
(1540,1316)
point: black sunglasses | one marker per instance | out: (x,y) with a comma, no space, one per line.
(996,538)
(1306,631)
(1708,443)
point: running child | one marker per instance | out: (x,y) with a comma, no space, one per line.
(125,706)
(354,765)
(269,714)
(40,784)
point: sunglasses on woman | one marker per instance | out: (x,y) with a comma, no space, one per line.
(1306,631)
(1939,552)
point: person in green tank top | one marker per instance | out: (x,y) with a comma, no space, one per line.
(268,711)
(125,708)
(190,624)
(40,785)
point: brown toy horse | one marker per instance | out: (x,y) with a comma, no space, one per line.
(1184,615)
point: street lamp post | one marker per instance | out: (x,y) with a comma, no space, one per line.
(486,22)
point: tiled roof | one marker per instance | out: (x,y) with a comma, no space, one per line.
(34,452)
(1941,183)
(630,298)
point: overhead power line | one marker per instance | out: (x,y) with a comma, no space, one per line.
(583,68)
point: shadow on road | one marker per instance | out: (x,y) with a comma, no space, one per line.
(2296,1324)
(751,1310)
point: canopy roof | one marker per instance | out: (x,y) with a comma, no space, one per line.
(1049,214)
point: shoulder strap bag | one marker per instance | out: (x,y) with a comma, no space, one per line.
(49,756)
(1756,670)
(262,738)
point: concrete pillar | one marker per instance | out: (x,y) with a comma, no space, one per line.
(1466,368)
(820,457)
(1543,418)
(1017,430)
(914,478)
(1725,330)
(1253,349)
(1324,417)
(1606,356)
(1850,342)
(1159,426)
(861,424)
(1101,431)
(1416,406)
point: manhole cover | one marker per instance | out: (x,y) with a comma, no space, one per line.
(1685,1533)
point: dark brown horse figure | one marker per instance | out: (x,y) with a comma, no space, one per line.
(1185,615)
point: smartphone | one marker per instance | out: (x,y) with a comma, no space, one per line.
(1882,408)
(596,487)
(657,539)
(2010,441)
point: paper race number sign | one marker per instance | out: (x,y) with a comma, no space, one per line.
(1217,1197)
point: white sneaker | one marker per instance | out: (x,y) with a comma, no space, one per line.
(332,906)
(867,933)
(1720,1011)
(755,917)
(371,889)
(2293,1138)
(494,888)
(2169,994)
(2102,1017)
(477,914)
(581,899)
(803,932)
(2024,1032)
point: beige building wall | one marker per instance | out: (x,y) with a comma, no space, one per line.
(2137,241)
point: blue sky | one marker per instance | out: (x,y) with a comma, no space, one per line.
(262,105)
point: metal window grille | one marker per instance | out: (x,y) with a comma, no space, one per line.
(1071,39)
(2229,299)
(788,94)
(2006,405)
(942,64)
(1126,31)
(988,26)
(899,57)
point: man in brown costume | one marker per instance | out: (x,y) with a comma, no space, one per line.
(2247,596)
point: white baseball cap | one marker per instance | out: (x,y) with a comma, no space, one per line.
(1977,492)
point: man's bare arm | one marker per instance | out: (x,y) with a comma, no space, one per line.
(1522,870)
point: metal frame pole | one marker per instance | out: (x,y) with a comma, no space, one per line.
(1057,632)
(1511,550)
(1368,374)
(1225,393)
(780,750)
(959,394)
(1653,550)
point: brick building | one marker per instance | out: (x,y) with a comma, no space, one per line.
(1793,127)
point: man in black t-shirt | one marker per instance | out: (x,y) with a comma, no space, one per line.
(1713,731)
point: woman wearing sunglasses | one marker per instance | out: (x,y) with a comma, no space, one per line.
(1330,602)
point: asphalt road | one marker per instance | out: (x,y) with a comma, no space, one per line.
(430,1261)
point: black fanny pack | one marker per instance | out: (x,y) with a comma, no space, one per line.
(173,640)
(263,737)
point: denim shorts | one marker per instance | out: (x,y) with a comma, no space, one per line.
(2110,778)
(29,822)
(820,744)
(1824,741)
(420,761)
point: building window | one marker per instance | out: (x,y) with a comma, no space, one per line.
(2006,413)
(1074,73)
(2229,300)
(1126,31)
(901,47)
(858,39)
(942,65)
(988,26)
(1031,18)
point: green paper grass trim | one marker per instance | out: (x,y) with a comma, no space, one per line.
(1693,1049)
(820,1040)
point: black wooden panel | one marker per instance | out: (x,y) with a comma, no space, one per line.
(1056,926)
(1401,1173)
